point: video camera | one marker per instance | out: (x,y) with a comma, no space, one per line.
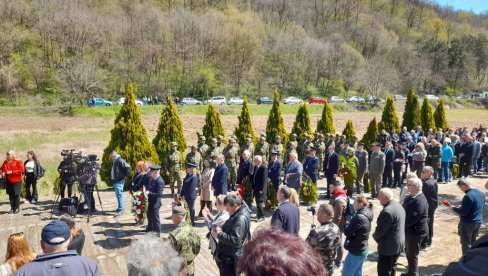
(71,155)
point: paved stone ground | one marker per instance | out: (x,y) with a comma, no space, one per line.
(108,238)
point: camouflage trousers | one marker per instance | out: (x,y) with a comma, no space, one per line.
(174,176)
(232,179)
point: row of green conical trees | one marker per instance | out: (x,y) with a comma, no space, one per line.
(129,137)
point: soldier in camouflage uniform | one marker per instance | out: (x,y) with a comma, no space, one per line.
(194,157)
(232,162)
(277,147)
(339,141)
(173,167)
(326,238)
(212,151)
(202,146)
(321,149)
(328,140)
(290,146)
(301,148)
(306,146)
(220,144)
(249,146)
(262,148)
(184,238)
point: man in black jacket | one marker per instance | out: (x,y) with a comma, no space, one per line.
(274,169)
(388,172)
(259,185)
(120,170)
(245,167)
(389,233)
(416,216)
(430,190)
(473,262)
(232,235)
(331,167)
(287,216)
(465,156)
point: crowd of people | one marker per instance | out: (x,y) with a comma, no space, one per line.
(413,161)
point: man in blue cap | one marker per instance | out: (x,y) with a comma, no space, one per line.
(154,193)
(57,259)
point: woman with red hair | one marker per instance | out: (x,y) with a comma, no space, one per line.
(18,254)
(13,170)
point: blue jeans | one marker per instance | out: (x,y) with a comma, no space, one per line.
(445,171)
(353,265)
(119,193)
(475,165)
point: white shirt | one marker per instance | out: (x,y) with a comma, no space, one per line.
(29,166)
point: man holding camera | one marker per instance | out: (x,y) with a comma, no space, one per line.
(120,170)
(325,239)
(67,174)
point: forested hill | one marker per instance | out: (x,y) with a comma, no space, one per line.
(54,51)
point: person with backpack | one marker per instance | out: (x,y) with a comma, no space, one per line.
(339,202)
(33,171)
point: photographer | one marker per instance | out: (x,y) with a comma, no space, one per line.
(67,173)
(325,239)
(87,177)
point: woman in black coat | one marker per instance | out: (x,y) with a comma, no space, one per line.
(189,189)
(33,171)
(357,235)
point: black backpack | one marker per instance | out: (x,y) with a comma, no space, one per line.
(69,205)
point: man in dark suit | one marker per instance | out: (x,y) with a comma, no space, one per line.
(259,184)
(287,216)
(465,156)
(331,167)
(430,190)
(154,193)
(293,172)
(389,233)
(416,228)
(245,167)
(219,180)
(388,172)
(274,169)
(311,165)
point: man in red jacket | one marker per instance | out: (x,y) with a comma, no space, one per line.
(13,170)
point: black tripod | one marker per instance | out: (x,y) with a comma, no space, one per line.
(88,197)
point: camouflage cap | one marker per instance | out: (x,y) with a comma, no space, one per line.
(220,137)
(203,138)
(248,139)
(233,137)
(263,135)
(179,210)
(277,137)
(214,140)
(232,140)
(193,147)
(293,135)
(320,135)
(311,146)
(174,144)
(343,136)
(248,136)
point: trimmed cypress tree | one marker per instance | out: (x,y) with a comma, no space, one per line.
(411,116)
(389,119)
(326,122)
(440,116)
(371,135)
(213,125)
(275,125)
(128,138)
(427,116)
(170,129)
(301,126)
(349,130)
(245,125)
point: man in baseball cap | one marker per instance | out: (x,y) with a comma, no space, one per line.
(57,259)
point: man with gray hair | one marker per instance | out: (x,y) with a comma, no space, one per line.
(152,256)
(293,172)
(120,170)
(430,190)
(259,184)
(416,228)
(389,233)
(221,174)
(287,216)
(57,259)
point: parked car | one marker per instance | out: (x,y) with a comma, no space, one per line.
(121,101)
(292,100)
(431,97)
(399,98)
(98,102)
(336,99)
(236,101)
(372,99)
(464,96)
(190,101)
(217,100)
(264,100)
(355,99)
(318,100)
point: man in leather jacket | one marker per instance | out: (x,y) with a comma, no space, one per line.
(232,235)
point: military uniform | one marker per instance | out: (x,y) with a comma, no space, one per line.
(306,147)
(195,158)
(278,148)
(220,145)
(290,146)
(339,143)
(202,147)
(173,168)
(212,151)
(186,241)
(262,148)
(249,146)
(154,193)
(321,150)
(325,240)
(231,161)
